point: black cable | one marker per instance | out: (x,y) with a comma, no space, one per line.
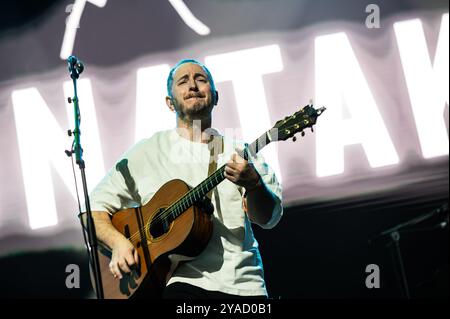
(78,201)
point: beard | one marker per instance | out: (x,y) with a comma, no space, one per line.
(187,110)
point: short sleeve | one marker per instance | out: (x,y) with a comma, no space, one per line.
(111,194)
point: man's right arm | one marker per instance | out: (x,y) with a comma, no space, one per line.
(124,254)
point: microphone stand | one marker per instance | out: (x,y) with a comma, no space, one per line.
(394,235)
(75,68)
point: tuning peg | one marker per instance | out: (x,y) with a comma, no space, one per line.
(312,130)
(294,139)
(303,133)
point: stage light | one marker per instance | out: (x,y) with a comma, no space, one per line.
(188,18)
(72,24)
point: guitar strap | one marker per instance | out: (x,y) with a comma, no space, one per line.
(215,148)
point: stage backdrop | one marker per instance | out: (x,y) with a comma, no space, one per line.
(381,71)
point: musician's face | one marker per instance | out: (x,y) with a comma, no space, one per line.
(191,90)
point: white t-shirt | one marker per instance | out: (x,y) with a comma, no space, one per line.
(231,262)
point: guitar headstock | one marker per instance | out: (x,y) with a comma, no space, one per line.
(297,122)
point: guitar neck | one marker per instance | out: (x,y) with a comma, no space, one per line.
(281,131)
(200,191)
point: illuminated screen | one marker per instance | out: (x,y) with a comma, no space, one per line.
(385,89)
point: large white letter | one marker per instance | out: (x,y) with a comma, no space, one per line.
(152,114)
(427,83)
(42,141)
(245,69)
(340,83)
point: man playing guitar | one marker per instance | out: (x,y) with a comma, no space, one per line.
(230,265)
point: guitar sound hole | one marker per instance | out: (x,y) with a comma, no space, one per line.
(159,225)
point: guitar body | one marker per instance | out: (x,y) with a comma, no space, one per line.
(187,236)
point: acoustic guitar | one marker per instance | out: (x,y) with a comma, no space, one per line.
(174,223)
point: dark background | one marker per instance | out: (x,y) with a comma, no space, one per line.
(157,27)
